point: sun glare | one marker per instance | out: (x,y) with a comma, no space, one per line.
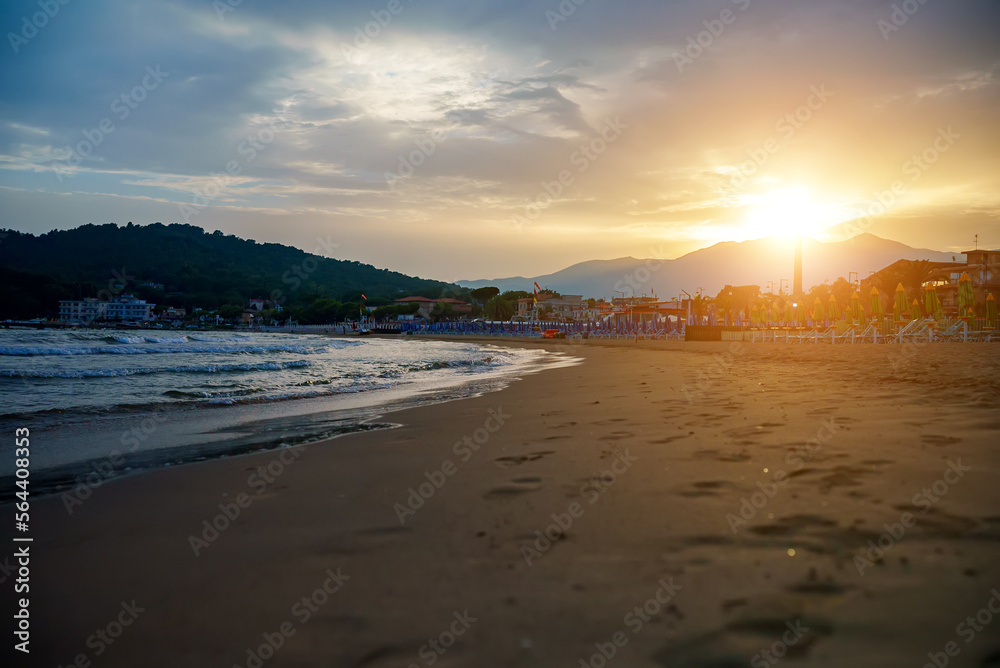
(789,212)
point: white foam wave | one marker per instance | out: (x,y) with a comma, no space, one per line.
(193,368)
(158,349)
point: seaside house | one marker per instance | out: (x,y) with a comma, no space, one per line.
(983,267)
(426,305)
(123,308)
(81,311)
(526,306)
(173,313)
(126,308)
(567,307)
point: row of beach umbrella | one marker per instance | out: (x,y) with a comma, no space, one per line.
(901,309)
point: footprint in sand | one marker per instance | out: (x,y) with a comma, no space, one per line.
(939,440)
(720,456)
(360,541)
(515,487)
(737,642)
(517,460)
(617,436)
(706,488)
(793,525)
(827,588)
(664,441)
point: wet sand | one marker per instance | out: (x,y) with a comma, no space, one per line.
(680,505)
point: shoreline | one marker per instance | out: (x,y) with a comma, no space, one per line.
(250,427)
(654,472)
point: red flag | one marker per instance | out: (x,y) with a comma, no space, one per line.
(537,288)
(363,297)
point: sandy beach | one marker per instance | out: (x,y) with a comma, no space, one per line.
(659,504)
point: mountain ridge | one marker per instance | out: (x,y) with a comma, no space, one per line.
(753,262)
(196,269)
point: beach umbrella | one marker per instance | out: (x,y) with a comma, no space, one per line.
(834,308)
(876,304)
(900,308)
(789,314)
(932,304)
(991,310)
(755,315)
(966,300)
(818,315)
(856,309)
(800,312)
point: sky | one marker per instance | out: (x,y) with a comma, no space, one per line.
(465,139)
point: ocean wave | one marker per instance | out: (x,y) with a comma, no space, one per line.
(121,338)
(192,368)
(218,339)
(38,351)
(125,339)
(487,363)
(286,396)
(207,394)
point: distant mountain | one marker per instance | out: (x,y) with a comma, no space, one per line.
(729,263)
(195,268)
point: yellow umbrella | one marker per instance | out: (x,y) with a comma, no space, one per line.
(899,310)
(876,304)
(755,315)
(789,314)
(991,311)
(932,304)
(819,317)
(834,308)
(856,310)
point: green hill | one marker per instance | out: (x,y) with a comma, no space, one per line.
(197,269)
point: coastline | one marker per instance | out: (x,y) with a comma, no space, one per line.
(88,446)
(685,431)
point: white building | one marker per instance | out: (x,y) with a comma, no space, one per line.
(124,308)
(81,312)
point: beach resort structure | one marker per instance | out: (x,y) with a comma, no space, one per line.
(123,308)
(458,307)
(566,307)
(982,267)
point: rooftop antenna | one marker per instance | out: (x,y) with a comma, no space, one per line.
(977,242)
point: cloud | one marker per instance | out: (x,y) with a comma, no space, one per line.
(511,101)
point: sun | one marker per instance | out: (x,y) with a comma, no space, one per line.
(789,212)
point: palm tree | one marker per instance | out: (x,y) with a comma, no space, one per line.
(913,274)
(700,305)
(842,290)
(886,282)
